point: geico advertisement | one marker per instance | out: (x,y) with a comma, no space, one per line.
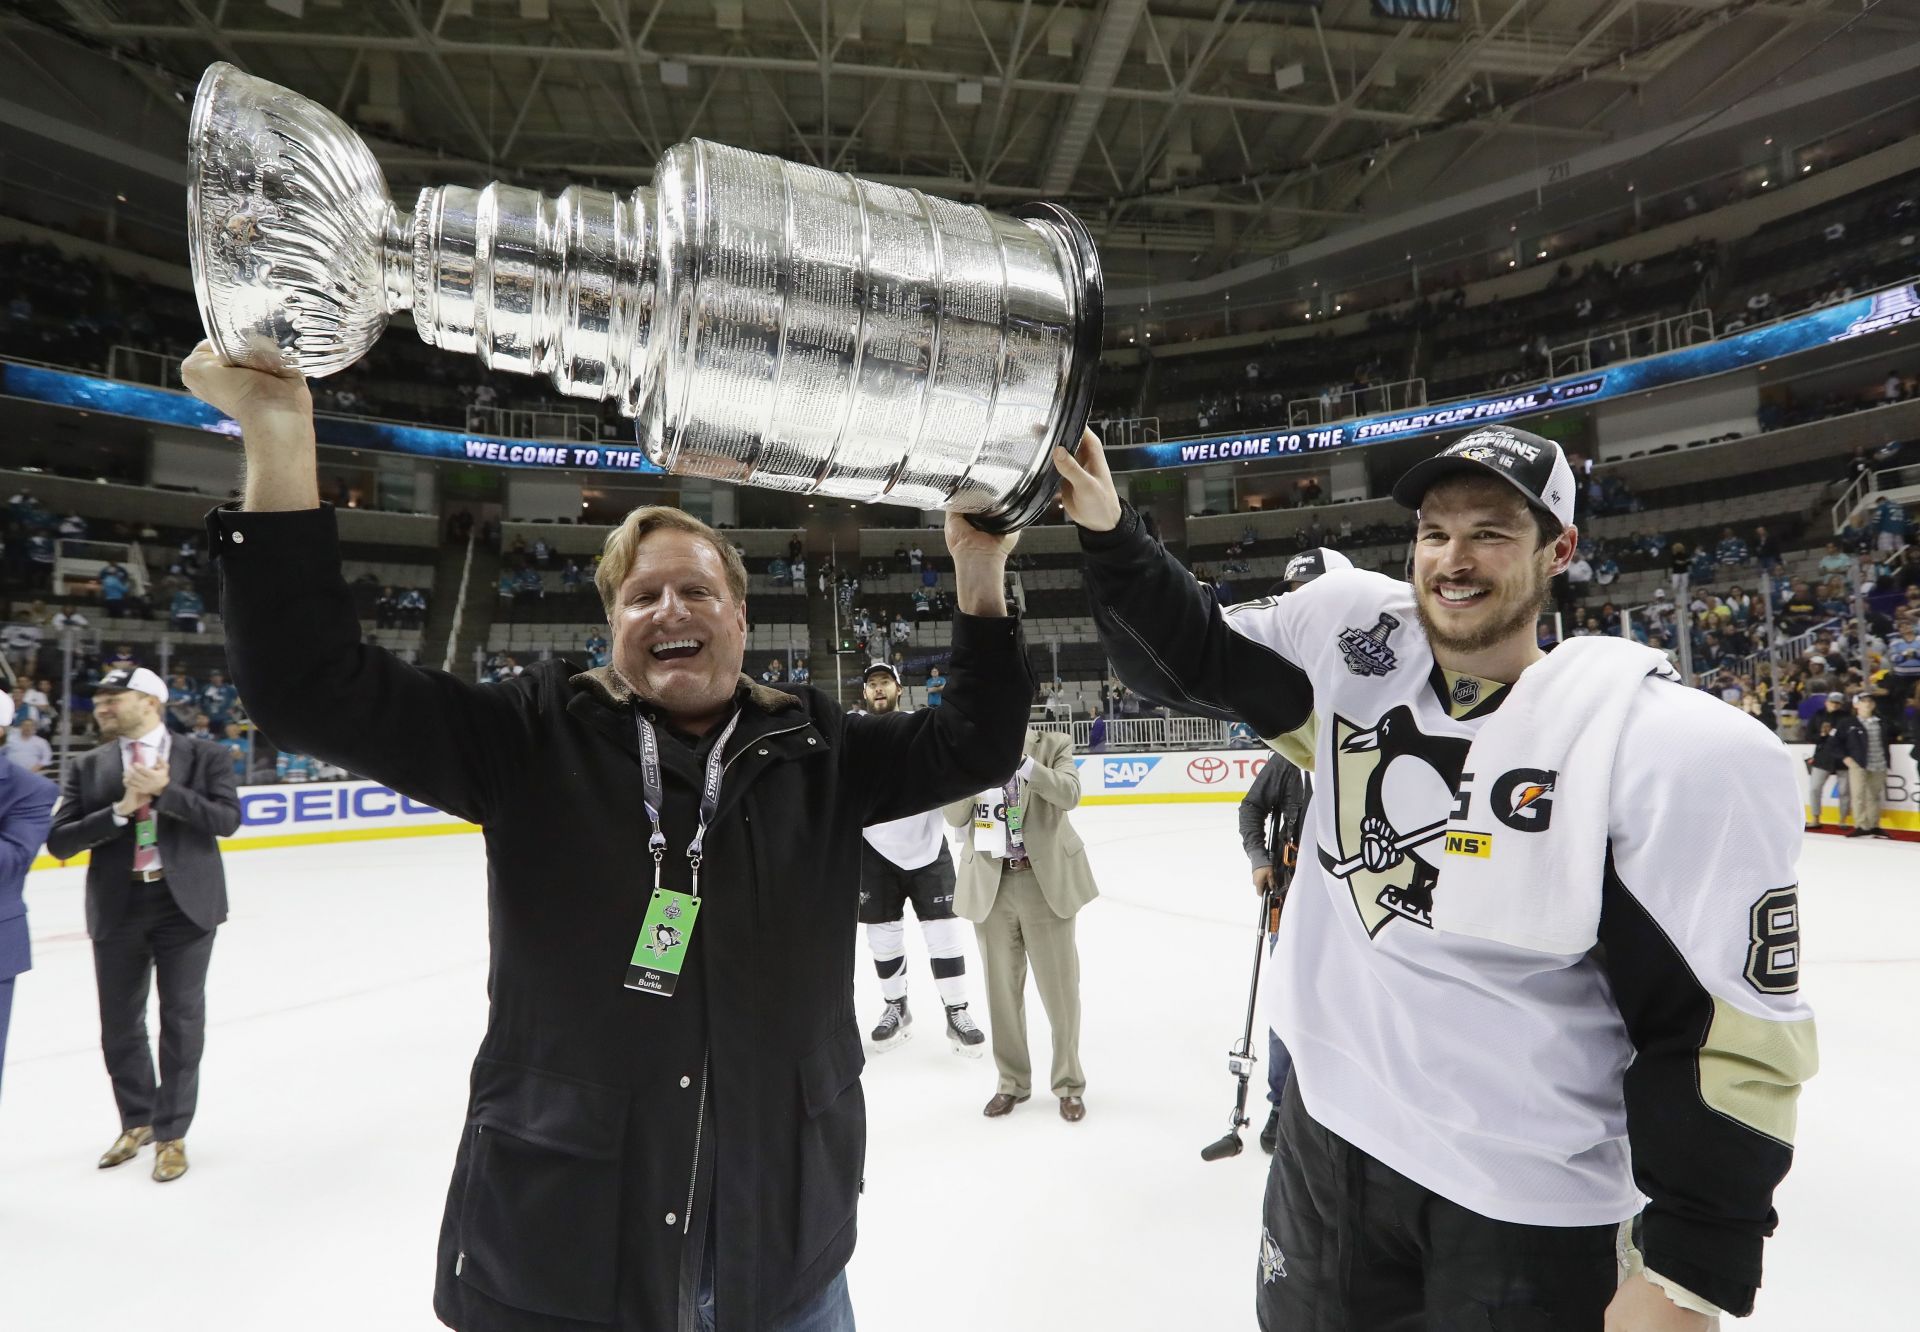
(1191,774)
(329,807)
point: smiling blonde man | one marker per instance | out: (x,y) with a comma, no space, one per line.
(1539,968)
(665,1128)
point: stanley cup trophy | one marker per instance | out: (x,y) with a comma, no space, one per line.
(762,322)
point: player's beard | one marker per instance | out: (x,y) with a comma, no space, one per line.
(881,703)
(1516,606)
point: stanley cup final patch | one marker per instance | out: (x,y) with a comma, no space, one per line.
(1366,650)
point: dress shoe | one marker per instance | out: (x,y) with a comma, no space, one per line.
(169,1160)
(1072,1109)
(126,1147)
(1002,1104)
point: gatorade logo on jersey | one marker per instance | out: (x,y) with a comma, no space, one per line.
(1523,799)
(1389,780)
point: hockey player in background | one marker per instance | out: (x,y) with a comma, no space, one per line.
(1539,969)
(1272,813)
(907,860)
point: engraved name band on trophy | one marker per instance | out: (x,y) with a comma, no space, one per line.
(762,322)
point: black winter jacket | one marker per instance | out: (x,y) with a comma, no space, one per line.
(607,1127)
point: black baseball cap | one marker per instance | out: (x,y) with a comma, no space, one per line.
(886,666)
(1530,464)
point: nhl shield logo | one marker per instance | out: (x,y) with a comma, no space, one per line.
(1273,1263)
(1466,691)
(1366,650)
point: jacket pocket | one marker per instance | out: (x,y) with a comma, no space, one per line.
(833,1142)
(539,1222)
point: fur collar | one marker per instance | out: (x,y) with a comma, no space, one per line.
(609,687)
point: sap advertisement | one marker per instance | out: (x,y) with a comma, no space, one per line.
(1857,318)
(66,388)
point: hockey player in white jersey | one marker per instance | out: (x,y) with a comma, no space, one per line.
(1539,969)
(907,860)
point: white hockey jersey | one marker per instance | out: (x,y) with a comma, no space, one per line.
(1530,1087)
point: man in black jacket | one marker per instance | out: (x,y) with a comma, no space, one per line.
(1271,816)
(1828,732)
(666,1127)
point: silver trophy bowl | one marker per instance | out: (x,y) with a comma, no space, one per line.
(762,322)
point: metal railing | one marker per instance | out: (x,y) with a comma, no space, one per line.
(1324,409)
(1901,483)
(1126,431)
(1625,341)
(1133,734)
(144,365)
(533,423)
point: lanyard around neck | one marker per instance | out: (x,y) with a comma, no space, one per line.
(656,798)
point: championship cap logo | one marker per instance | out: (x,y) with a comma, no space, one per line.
(1366,650)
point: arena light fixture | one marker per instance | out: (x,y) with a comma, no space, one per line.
(1288,77)
(966,93)
(673,73)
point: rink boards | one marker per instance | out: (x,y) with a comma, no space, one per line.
(306,815)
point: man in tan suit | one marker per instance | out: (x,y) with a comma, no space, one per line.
(1023,875)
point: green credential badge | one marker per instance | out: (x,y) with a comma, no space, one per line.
(665,936)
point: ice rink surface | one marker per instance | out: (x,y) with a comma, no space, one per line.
(347,997)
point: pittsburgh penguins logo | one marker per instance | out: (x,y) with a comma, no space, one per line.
(1393,791)
(665,937)
(1273,1263)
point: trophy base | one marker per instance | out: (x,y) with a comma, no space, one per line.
(1029,501)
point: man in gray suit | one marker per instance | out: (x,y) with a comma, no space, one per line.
(1023,875)
(149,806)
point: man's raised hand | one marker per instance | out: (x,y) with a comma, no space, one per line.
(1086,486)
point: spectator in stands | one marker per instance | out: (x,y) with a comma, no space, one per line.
(1889,525)
(40,559)
(1835,560)
(386,608)
(1903,665)
(412,608)
(122,659)
(218,699)
(202,728)
(1731,550)
(1679,564)
(73,527)
(915,558)
(114,583)
(234,741)
(70,617)
(936,687)
(1766,548)
(26,747)
(573,578)
(183,700)
(187,612)
(1579,578)
(902,631)
(541,552)
(1894,389)
(800,674)
(527,585)
(509,585)
(292,768)
(597,651)
(774,674)
(922,604)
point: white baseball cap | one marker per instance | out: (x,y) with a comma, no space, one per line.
(140,680)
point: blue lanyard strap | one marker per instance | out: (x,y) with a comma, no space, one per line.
(655,797)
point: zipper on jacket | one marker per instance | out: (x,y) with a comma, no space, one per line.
(699,1132)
